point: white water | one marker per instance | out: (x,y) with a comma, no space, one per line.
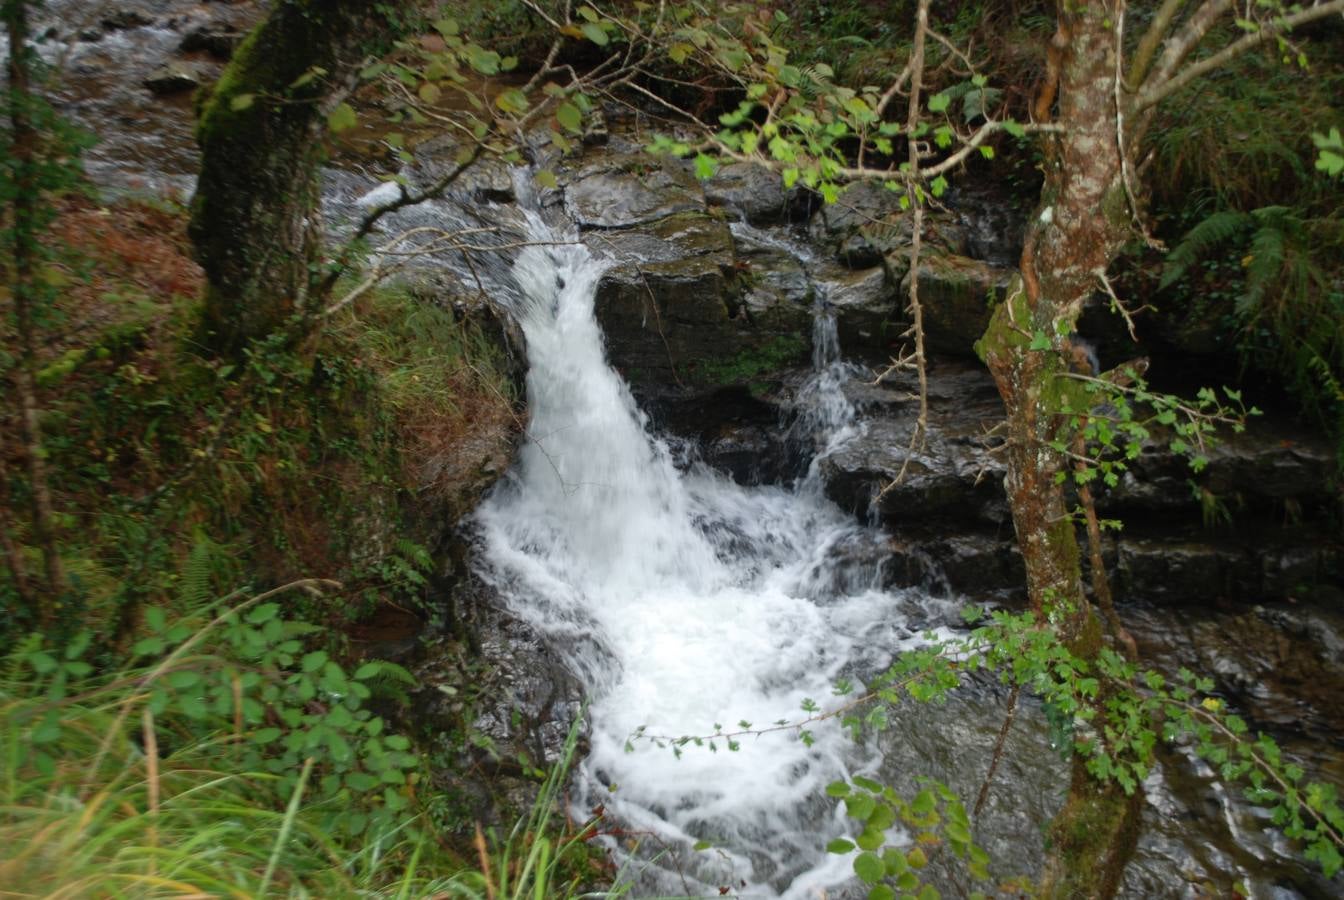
(683,600)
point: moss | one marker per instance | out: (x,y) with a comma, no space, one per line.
(1001,336)
(779,352)
(1091,839)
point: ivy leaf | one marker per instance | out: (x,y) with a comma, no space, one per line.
(939,102)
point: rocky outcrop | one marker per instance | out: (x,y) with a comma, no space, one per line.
(757,195)
(957,294)
(1188,539)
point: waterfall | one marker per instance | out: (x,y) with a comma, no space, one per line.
(683,601)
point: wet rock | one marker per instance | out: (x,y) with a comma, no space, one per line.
(776,290)
(750,452)
(1271,468)
(1281,663)
(950,477)
(676,311)
(862,226)
(957,294)
(1197,568)
(622,191)
(172,79)
(991,219)
(511,696)
(756,194)
(218,39)
(126,19)
(868,310)
(866,224)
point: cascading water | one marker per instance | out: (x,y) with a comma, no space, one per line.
(683,600)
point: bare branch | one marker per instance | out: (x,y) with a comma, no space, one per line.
(1152,38)
(1161,90)
(1183,44)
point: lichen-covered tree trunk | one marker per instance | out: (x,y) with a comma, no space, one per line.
(254,216)
(1079,227)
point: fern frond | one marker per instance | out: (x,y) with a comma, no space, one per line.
(1208,234)
(194,584)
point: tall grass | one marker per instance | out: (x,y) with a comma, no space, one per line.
(109,791)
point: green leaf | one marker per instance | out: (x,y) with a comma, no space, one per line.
(837,789)
(595,33)
(311,662)
(869,867)
(545,178)
(429,92)
(342,118)
(42,662)
(839,845)
(939,102)
(705,166)
(881,892)
(569,116)
(241,102)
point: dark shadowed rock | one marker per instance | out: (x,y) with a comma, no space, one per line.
(956,294)
(173,78)
(218,39)
(756,194)
(126,19)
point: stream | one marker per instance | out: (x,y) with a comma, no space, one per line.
(684,601)
(690,605)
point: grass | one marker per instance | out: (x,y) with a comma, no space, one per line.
(114,785)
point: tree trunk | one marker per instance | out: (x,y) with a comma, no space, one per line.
(27,250)
(1079,227)
(254,217)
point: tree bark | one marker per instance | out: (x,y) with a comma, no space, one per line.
(254,217)
(26,249)
(1080,225)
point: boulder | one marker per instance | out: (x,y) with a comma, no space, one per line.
(956,294)
(172,78)
(869,313)
(757,195)
(622,191)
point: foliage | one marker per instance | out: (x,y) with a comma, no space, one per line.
(936,819)
(1116,418)
(1277,271)
(223,758)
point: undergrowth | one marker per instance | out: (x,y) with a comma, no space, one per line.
(223,760)
(343,457)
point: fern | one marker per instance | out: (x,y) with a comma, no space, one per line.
(194,580)
(1205,237)
(1288,306)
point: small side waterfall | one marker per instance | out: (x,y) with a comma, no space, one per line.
(683,601)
